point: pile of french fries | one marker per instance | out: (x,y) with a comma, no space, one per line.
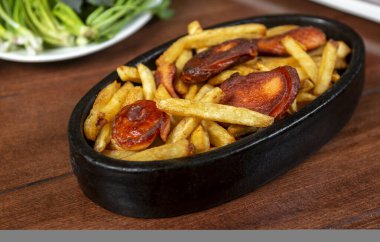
(197,119)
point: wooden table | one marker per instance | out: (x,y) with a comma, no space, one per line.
(338,187)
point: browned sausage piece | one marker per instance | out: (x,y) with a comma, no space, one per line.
(165,74)
(137,125)
(310,37)
(218,58)
(269,92)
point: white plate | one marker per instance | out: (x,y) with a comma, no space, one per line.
(65,53)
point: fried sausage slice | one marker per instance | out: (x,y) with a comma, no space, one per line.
(310,37)
(269,92)
(137,125)
(218,58)
(165,74)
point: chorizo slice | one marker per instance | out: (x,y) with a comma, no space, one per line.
(216,59)
(165,74)
(269,92)
(137,125)
(310,37)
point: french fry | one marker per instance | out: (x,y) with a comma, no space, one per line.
(293,107)
(134,95)
(240,130)
(91,127)
(200,139)
(210,37)
(193,89)
(305,61)
(194,27)
(343,50)
(187,125)
(306,86)
(335,76)
(262,67)
(219,136)
(181,87)
(161,93)
(112,108)
(221,77)
(147,80)
(280,29)
(103,138)
(215,112)
(118,154)
(203,91)
(168,151)
(128,73)
(326,68)
(305,97)
(184,57)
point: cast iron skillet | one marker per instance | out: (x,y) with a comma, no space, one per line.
(178,186)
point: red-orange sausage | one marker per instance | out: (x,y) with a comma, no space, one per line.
(218,58)
(310,37)
(137,125)
(269,92)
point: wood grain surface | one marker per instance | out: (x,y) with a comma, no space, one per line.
(337,188)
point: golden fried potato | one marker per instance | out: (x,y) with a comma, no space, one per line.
(147,80)
(215,112)
(91,127)
(237,130)
(219,136)
(118,154)
(194,27)
(295,49)
(134,95)
(112,108)
(200,139)
(211,37)
(178,149)
(103,138)
(326,68)
(128,73)
(305,97)
(280,29)
(187,125)
(192,91)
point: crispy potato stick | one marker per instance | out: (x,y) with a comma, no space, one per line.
(109,111)
(168,151)
(280,30)
(335,77)
(304,60)
(262,67)
(215,112)
(211,37)
(128,73)
(194,27)
(339,63)
(326,68)
(203,91)
(134,95)
(185,56)
(221,77)
(187,125)
(161,93)
(219,136)
(316,52)
(240,130)
(306,86)
(103,138)
(147,80)
(343,50)
(91,127)
(118,154)
(293,108)
(193,89)
(305,97)
(181,87)
(200,139)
